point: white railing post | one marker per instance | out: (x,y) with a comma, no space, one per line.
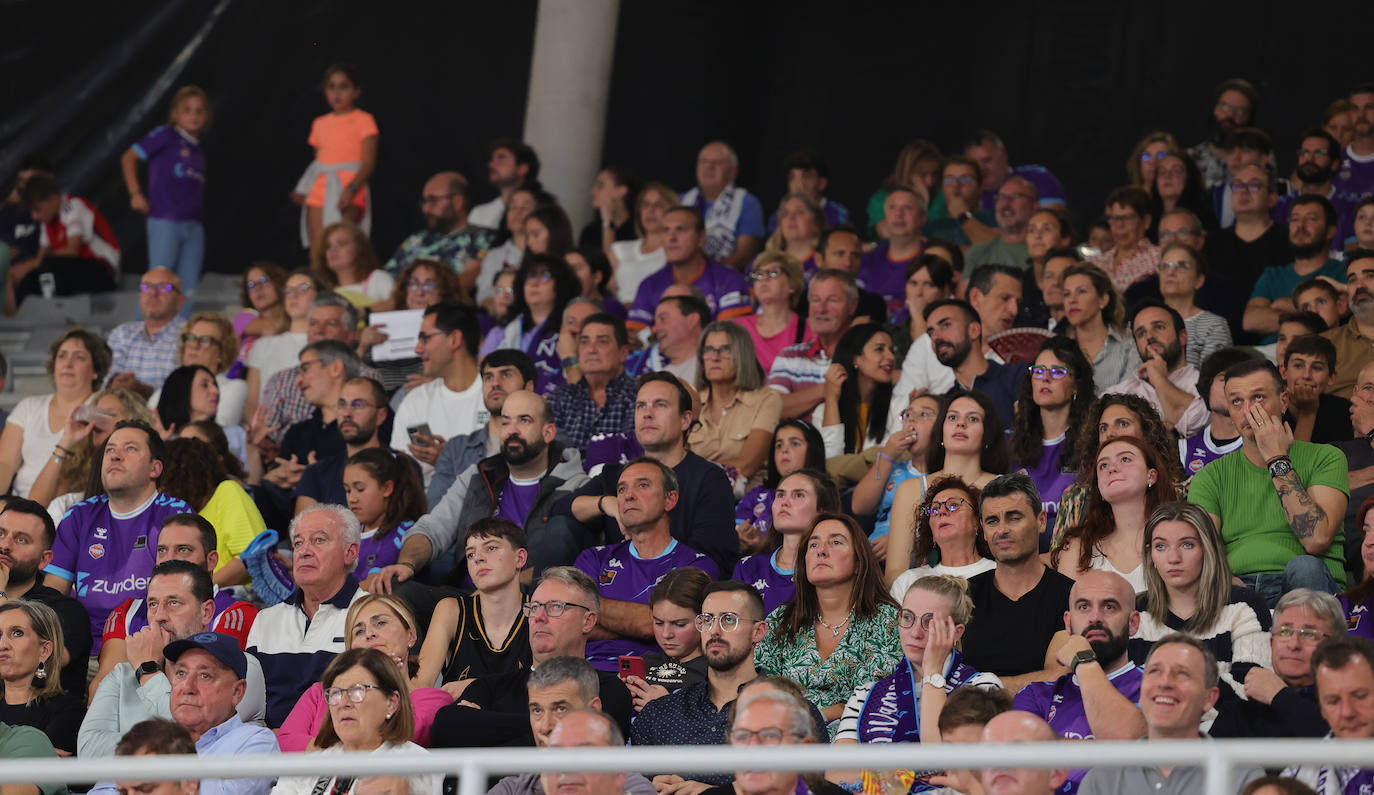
(472,779)
(1219,770)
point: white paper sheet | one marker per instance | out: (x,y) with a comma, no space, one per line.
(402,329)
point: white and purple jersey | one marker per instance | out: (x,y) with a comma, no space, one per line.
(1199,450)
(176,174)
(1060,703)
(108,557)
(756,506)
(375,554)
(775,585)
(1355,174)
(726,293)
(1051,480)
(621,574)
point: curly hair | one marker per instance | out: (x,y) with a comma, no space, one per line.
(214,436)
(228,342)
(193,472)
(925,536)
(450,289)
(1152,430)
(1028,428)
(1098,521)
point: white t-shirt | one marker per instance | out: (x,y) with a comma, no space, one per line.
(448,414)
(633,267)
(506,255)
(39,440)
(376,287)
(906,578)
(488,214)
(273,354)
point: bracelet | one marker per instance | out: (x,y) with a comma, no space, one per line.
(881,456)
(63,449)
(598,505)
(407,564)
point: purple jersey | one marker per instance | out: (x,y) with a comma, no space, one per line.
(756,506)
(1046,184)
(1051,480)
(623,575)
(774,584)
(374,553)
(517,497)
(1355,174)
(726,293)
(1060,703)
(610,448)
(880,274)
(1199,450)
(1358,619)
(176,174)
(1345,215)
(109,557)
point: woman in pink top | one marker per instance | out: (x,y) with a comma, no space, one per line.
(334,187)
(376,621)
(775,324)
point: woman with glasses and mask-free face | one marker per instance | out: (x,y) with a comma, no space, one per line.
(1182,272)
(423,284)
(738,409)
(386,624)
(544,284)
(1188,588)
(1050,416)
(776,282)
(839,630)
(261,293)
(800,498)
(368,711)
(935,611)
(970,446)
(948,523)
(272,354)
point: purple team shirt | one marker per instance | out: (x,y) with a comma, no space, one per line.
(1358,619)
(624,576)
(176,174)
(1354,176)
(1060,703)
(109,557)
(1046,184)
(884,276)
(517,497)
(1051,481)
(756,506)
(374,553)
(725,289)
(1345,215)
(774,584)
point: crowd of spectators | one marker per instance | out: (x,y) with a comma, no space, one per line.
(702,474)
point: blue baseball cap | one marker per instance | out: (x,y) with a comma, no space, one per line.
(221,647)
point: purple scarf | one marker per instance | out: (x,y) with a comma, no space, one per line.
(892,713)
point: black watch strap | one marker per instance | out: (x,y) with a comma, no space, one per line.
(148,668)
(1085,656)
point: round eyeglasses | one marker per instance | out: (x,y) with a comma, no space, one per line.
(334,696)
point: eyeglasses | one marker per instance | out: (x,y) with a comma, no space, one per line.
(1176,265)
(261,281)
(1146,157)
(966,179)
(357,404)
(711,350)
(729,622)
(157,287)
(768,736)
(908,619)
(552,608)
(424,287)
(1286,631)
(1171,171)
(334,696)
(760,276)
(1227,107)
(300,289)
(1313,153)
(1175,234)
(198,339)
(1248,187)
(443,197)
(425,337)
(1123,218)
(908,416)
(1054,372)
(503,290)
(948,506)
(541,276)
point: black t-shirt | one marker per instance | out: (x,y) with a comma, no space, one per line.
(312,435)
(1332,423)
(590,236)
(59,717)
(671,674)
(1010,638)
(76,633)
(1237,265)
(475,654)
(504,715)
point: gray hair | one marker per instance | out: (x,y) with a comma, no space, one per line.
(799,717)
(350,529)
(571,576)
(1323,604)
(557,670)
(734,156)
(1211,674)
(335,300)
(330,351)
(582,299)
(844,277)
(748,373)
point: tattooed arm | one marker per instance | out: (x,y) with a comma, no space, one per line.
(1314,514)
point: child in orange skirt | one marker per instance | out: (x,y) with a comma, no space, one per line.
(334,186)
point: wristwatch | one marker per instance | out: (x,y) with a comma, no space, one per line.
(569,362)
(1085,656)
(1280,466)
(934,680)
(965,215)
(148,668)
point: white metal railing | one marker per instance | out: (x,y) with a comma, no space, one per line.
(1220,758)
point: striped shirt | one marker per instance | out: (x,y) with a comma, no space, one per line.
(799,366)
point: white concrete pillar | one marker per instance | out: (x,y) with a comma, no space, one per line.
(570,80)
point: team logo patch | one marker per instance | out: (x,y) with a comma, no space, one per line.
(1195,466)
(96,551)
(759,508)
(607,577)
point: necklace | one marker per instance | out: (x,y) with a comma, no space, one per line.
(835,629)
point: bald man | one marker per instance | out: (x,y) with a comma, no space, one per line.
(734,217)
(146,351)
(1098,698)
(447,236)
(586,728)
(1020,727)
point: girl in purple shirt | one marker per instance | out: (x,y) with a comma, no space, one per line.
(385,494)
(1358,600)
(799,499)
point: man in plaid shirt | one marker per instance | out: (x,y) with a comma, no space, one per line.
(145,351)
(599,397)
